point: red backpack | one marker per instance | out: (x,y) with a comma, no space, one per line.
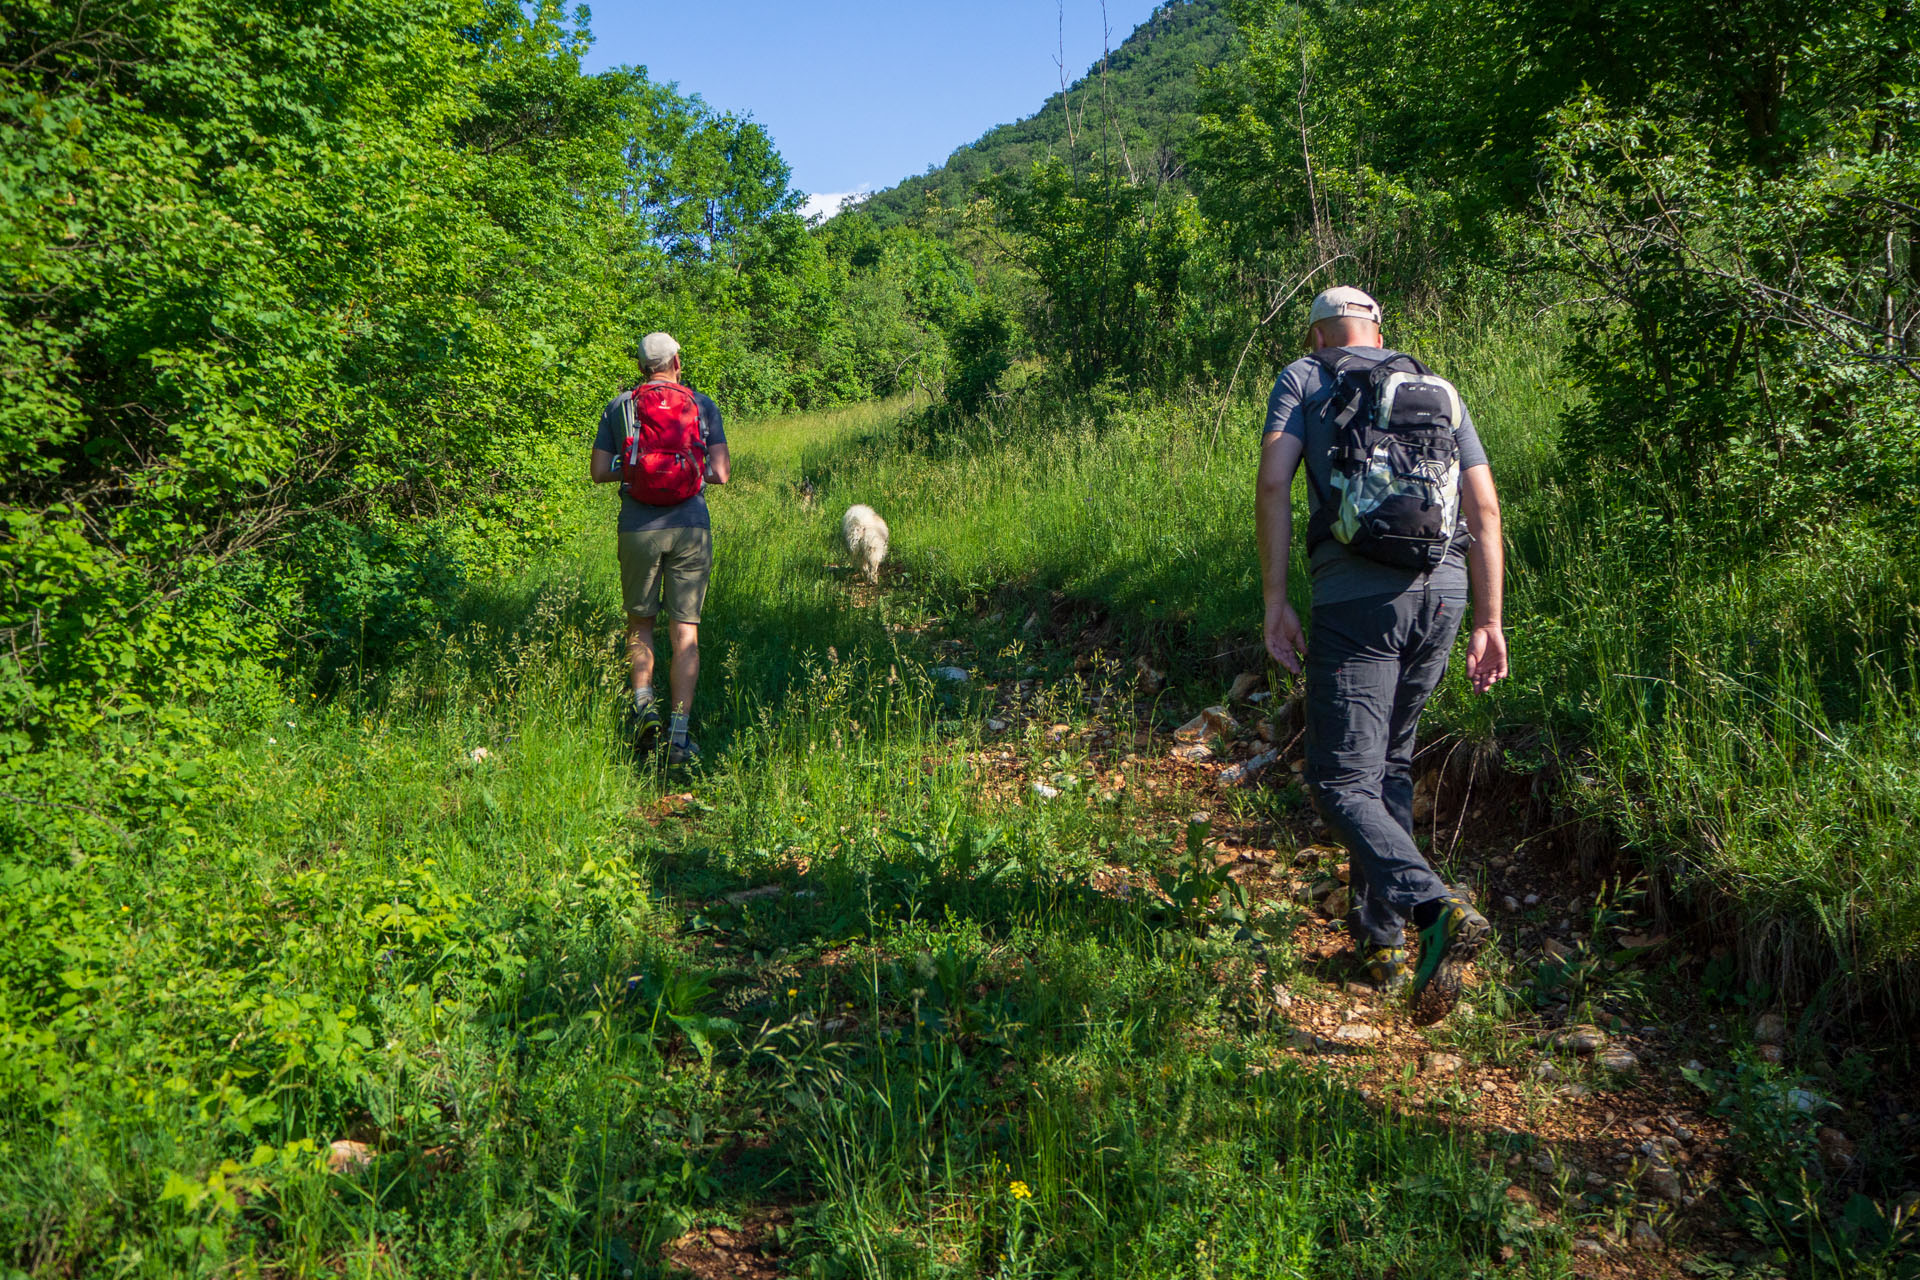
(666,454)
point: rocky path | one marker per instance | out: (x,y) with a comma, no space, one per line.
(1580,1059)
(1568,1060)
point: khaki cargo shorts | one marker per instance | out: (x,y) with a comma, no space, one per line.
(682,559)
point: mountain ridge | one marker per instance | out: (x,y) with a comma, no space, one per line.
(1149,89)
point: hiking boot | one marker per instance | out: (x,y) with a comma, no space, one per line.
(1446,945)
(686,753)
(642,723)
(1389,969)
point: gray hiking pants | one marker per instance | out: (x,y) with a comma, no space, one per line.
(1371,665)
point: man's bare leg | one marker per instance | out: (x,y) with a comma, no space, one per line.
(685,674)
(640,653)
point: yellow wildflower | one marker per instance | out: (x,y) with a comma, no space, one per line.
(1019,1190)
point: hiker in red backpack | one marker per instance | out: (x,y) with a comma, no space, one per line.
(663,443)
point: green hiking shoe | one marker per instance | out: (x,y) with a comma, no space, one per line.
(1446,945)
(642,724)
(685,753)
(1389,969)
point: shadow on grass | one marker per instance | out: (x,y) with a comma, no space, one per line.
(935,1022)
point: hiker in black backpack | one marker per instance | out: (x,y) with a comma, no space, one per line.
(1403,525)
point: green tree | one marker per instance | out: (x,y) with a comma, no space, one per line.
(1108,256)
(296,299)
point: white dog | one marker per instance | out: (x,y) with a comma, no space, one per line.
(866,535)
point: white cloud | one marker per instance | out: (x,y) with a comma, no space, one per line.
(824,206)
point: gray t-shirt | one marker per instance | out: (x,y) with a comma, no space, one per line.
(638,517)
(1295,409)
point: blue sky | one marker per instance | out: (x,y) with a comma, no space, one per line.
(859,95)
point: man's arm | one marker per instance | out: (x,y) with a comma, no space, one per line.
(1273,521)
(1486,574)
(719,464)
(603,472)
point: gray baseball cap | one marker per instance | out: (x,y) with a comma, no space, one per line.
(657,351)
(1342,302)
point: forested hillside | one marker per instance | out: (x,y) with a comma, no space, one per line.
(1139,100)
(344,931)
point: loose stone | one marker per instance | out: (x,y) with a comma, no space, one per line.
(1582,1039)
(1664,1183)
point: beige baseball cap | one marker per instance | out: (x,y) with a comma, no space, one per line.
(657,351)
(1341,302)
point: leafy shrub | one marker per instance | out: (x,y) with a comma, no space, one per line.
(981,341)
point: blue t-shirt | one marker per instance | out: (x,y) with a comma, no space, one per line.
(638,517)
(1339,573)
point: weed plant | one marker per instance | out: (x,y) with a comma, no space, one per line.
(1742,716)
(549,1008)
(570,1012)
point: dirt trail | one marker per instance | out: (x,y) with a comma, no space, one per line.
(1586,1118)
(1579,1098)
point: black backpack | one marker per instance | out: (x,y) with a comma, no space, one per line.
(1396,461)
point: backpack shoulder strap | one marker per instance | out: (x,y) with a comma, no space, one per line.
(1332,359)
(698,396)
(1400,361)
(1350,434)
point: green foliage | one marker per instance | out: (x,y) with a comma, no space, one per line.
(1749,373)
(1297,173)
(1787,1196)
(308,312)
(309,308)
(1202,893)
(562,1036)
(1108,257)
(781,317)
(981,343)
(1141,98)
(271,271)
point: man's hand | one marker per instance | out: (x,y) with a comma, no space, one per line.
(1486,656)
(1286,641)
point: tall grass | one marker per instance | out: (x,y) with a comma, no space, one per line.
(1744,717)
(569,1009)
(1748,713)
(569,1012)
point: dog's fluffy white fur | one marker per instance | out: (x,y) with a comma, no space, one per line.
(866,535)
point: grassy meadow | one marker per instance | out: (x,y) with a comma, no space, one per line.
(850,993)
(1747,723)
